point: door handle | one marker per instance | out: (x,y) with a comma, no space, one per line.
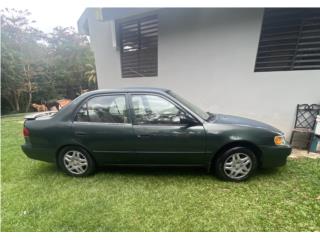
(143,136)
(80,133)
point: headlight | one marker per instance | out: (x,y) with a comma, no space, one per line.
(279,140)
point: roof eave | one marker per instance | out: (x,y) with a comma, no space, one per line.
(107,14)
(82,23)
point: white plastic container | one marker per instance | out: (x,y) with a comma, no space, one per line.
(315,144)
(317,129)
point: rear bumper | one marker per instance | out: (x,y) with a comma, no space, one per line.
(42,154)
(274,156)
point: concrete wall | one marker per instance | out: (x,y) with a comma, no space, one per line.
(208,56)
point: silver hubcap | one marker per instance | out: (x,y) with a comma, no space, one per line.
(75,162)
(237,166)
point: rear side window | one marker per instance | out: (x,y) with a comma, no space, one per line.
(105,109)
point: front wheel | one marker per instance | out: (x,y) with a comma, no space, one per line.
(75,161)
(236,164)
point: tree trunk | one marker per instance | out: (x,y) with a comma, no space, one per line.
(16,102)
(11,102)
(27,72)
(29,101)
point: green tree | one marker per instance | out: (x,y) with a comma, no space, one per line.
(91,76)
(41,67)
(70,54)
(22,52)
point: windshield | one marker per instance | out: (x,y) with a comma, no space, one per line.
(189,105)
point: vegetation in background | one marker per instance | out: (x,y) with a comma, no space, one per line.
(38,67)
(35,196)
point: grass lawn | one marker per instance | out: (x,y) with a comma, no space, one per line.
(35,196)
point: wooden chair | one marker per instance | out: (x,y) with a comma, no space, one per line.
(305,121)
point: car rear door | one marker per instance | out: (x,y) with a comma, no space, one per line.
(161,139)
(103,126)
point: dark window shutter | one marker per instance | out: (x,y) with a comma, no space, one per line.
(139,47)
(289,40)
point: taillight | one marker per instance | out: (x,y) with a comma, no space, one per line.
(26,132)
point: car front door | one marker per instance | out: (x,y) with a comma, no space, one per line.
(103,126)
(161,136)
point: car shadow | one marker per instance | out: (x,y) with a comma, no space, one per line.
(45,169)
(269,171)
(174,171)
(153,171)
(52,170)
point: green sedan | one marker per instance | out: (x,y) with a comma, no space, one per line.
(150,127)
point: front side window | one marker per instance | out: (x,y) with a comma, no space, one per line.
(105,109)
(151,109)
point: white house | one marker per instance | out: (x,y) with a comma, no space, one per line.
(257,63)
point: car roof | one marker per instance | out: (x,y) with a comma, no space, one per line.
(131,89)
(120,90)
(145,89)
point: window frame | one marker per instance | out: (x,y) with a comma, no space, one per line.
(133,118)
(86,100)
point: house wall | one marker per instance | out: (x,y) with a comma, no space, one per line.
(208,57)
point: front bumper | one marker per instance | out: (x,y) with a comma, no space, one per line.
(42,154)
(274,156)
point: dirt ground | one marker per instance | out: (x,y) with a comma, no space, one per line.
(298,153)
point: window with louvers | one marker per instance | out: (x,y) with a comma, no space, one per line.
(290,40)
(139,47)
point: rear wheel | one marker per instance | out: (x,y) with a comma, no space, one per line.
(236,164)
(75,161)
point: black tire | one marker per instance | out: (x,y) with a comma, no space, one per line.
(224,159)
(86,170)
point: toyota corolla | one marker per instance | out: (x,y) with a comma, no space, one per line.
(150,127)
